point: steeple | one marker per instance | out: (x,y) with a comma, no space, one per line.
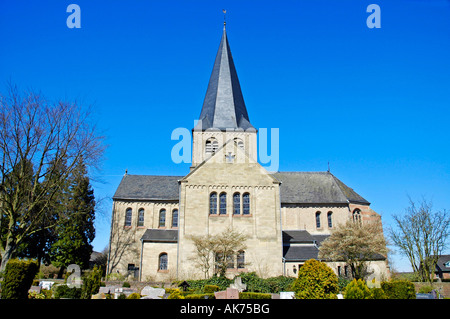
(224,107)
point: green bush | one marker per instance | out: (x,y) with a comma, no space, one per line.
(18,277)
(175,294)
(126,284)
(398,289)
(254,295)
(357,289)
(63,291)
(91,284)
(378,293)
(254,282)
(315,281)
(199,296)
(280,283)
(134,295)
(210,289)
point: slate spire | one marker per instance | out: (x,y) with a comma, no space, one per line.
(224,107)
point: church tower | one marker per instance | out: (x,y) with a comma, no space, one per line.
(224,116)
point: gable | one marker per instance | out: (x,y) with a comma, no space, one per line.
(148,187)
(230,164)
(315,188)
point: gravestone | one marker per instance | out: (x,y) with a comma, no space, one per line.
(287,295)
(152,293)
(237,284)
(230,293)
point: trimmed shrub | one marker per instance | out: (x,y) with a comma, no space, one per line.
(134,295)
(199,296)
(315,281)
(208,289)
(91,284)
(19,275)
(254,295)
(63,291)
(280,283)
(378,293)
(399,289)
(176,294)
(357,289)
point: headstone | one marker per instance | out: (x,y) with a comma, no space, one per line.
(153,293)
(287,295)
(46,284)
(237,284)
(220,294)
(100,295)
(124,291)
(232,293)
(340,296)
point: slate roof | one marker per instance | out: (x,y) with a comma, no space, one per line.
(223,106)
(441,263)
(300,245)
(160,235)
(148,187)
(296,188)
(315,188)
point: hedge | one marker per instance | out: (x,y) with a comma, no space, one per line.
(399,289)
(254,295)
(19,275)
(200,296)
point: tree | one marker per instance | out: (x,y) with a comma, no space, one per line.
(219,250)
(74,237)
(421,235)
(39,134)
(315,281)
(356,244)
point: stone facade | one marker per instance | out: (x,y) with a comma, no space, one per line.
(284,216)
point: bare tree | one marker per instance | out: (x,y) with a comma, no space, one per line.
(35,137)
(218,250)
(421,235)
(355,243)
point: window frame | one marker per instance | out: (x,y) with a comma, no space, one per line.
(162,218)
(128,217)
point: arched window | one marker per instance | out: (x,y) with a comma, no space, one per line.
(317,219)
(141,217)
(163,261)
(213,203)
(236,204)
(175,218)
(222,203)
(128,216)
(211,145)
(357,216)
(330,219)
(241,259)
(162,218)
(246,204)
(239,143)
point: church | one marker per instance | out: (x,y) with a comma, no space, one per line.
(284,215)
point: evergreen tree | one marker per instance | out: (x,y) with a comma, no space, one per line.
(75,234)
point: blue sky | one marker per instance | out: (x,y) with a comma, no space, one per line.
(372,102)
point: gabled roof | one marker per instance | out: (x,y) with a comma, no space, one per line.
(160,235)
(315,188)
(295,188)
(224,107)
(148,187)
(443,259)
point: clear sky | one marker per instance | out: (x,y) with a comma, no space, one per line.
(372,102)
